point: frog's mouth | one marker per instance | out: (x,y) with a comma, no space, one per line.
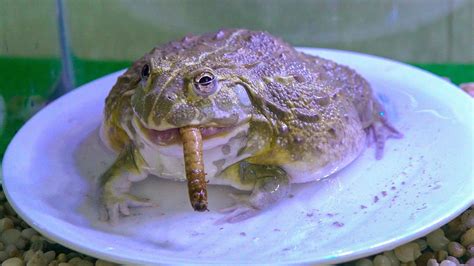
(172,136)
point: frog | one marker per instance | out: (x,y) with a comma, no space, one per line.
(270,116)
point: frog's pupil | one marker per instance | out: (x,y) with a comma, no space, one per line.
(145,71)
(205,80)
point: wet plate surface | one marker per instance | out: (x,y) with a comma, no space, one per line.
(423,181)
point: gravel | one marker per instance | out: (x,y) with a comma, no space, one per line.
(450,245)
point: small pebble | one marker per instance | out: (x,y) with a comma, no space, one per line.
(10,236)
(85,263)
(3,255)
(470,250)
(35,238)
(20,243)
(28,254)
(381,260)
(91,259)
(408,252)
(361,262)
(72,255)
(391,256)
(455,249)
(447,263)
(16,221)
(53,263)
(432,262)
(468,237)
(453,259)
(470,262)
(61,258)
(441,255)
(74,261)
(13,262)
(424,258)
(37,259)
(12,250)
(28,233)
(437,240)
(64,264)
(49,256)
(454,229)
(5,223)
(467,218)
(422,243)
(37,244)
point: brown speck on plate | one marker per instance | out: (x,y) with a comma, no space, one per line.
(338,224)
(376,199)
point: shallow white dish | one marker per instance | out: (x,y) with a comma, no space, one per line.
(423,181)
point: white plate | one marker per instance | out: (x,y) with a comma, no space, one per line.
(423,181)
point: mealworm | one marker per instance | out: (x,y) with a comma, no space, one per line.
(194,166)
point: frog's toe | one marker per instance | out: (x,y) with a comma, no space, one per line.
(134,201)
(379,132)
(124,209)
(103,213)
(112,208)
(109,213)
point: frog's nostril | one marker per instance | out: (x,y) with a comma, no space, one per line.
(171,97)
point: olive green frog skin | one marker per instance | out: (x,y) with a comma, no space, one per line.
(270,116)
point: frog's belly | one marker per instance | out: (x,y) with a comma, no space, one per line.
(218,152)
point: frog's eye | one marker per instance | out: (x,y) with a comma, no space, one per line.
(145,72)
(205,84)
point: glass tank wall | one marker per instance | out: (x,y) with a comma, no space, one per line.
(52,46)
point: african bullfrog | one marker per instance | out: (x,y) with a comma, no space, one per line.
(269,116)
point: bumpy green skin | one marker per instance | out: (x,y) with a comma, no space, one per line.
(305,107)
(303,110)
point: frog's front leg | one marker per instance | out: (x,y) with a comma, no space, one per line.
(271,184)
(115,185)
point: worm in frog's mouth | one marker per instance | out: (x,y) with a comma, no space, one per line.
(172,136)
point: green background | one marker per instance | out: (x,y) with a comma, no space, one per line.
(49,47)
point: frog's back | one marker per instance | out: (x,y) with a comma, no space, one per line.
(313,104)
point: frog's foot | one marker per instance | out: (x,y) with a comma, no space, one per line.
(268,190)
(116,203)
(115,185)
(379,132)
